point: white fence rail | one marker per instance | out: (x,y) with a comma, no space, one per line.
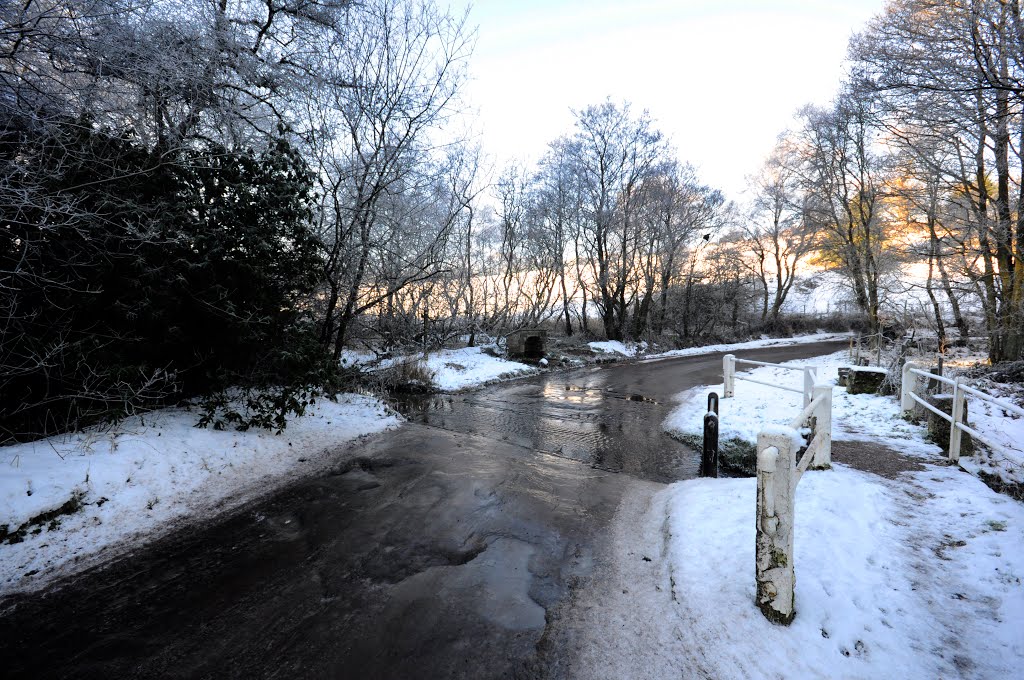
(729,362)
(913,374)
(778,473)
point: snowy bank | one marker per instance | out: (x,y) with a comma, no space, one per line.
(71,501)
(631,349)
(914,578)
(854,416)
(456,369)
(449,369)
(751,344)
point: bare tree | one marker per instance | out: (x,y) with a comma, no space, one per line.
(845,180)
(615,153)
(778,234)
(948,76)
(404,61)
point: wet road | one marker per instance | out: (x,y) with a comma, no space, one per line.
(441,550)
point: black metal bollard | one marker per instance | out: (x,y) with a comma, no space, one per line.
(709,457)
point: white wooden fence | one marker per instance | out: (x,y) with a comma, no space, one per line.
(914,373)
(778,473)
(729,362)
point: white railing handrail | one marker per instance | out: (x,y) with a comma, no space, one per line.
(771,365)
(768,384)
(945,416)
(808,411)
(932,376)
(729,376)
(912,372)
(985,396)
(804,463)
(778,473)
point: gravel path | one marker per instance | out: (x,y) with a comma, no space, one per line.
(874,457)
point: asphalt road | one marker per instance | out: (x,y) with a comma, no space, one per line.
(444,549)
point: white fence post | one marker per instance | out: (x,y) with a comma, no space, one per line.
(822,428)
(729,374)
(907,383)
(810,375)
(776,469)
(955,433)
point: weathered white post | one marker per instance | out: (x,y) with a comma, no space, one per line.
(810,374)
(729,375)
(822,428)
(907,383)
(955,433)
(774,548)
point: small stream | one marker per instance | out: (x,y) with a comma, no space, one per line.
(582,415)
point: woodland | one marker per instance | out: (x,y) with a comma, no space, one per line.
(211,200)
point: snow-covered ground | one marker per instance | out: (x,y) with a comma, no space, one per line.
(145,475)
(913,577)
(630,349)
(750,344)
(449,369)
(854,416)
(456,369)
(1000,427)
(820,292)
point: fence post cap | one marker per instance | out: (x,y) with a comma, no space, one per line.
(767,458)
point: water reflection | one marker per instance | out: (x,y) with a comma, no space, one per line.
(577,416)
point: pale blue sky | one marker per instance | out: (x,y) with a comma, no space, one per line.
(721,78)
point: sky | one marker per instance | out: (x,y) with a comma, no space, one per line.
(722,79)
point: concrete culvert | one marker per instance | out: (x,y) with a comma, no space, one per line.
(527,343)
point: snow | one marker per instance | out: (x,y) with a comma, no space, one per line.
(449,369)
(351,357)
(456,369)
(752,344)
(1001,427)
(863,417)
(868,369)
(796,439)
(913,577)
(142,477)
(823,292)
(631,349)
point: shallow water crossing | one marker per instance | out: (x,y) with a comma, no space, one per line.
(596,416)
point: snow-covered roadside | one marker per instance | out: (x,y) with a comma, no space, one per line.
(862,417)
(751,344)
(633,349)
(149,473)
(916,577)
(630,349)
(999,427)
(449,369)
(456,369)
